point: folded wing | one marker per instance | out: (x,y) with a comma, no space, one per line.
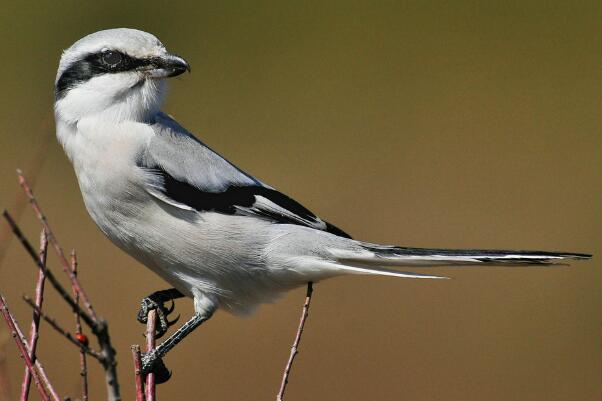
(183,172)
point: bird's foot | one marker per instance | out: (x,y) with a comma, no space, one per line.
(152,363)
(156,302)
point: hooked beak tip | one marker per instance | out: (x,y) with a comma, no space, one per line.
(177,65)
(167,66)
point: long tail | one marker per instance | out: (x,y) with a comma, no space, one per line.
(372,258)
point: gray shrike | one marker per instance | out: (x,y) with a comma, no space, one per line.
(212,231)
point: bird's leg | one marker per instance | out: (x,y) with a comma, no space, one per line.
(151,361)
(155,301)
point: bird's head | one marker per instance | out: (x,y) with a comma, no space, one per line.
(118,73)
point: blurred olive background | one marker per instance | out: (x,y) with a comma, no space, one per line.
(436,124)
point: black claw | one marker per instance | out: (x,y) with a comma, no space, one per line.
(172,307)
(143,311)
(154,302)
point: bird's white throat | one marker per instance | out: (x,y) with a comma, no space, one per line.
(124,97)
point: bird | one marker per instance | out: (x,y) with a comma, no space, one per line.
(215,233)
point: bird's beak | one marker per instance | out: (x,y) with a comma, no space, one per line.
(166,66)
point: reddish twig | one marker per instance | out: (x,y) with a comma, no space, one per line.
(138,373)
(52,322)
(151,326)
(35,322)
(44,376)
(83,365)
(23,349)
(53,241)
(295,347)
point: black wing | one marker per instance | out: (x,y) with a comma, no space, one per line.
(238,199)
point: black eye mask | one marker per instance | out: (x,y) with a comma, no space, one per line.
(104,62)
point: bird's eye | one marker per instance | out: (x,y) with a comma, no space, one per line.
(111,58)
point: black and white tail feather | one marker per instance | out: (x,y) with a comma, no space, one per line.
(374,258)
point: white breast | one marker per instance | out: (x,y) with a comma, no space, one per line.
(103,156)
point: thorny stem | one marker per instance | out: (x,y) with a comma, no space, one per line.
(109,360)
(295,347)
(83,365)
(138,373)
(44,377)
(151,326)
(35,322)
(23,349)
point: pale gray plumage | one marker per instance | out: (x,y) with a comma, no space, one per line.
(214,232)
(187,159)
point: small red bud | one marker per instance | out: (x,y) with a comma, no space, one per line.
(82,339)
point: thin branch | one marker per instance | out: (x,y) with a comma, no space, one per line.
(22,345)
(49,275)
(35,322)
(52,322)
(109,360)
(53,241)
(80,336)
(44,377)
(151,326)
(137,373)
(295,347)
